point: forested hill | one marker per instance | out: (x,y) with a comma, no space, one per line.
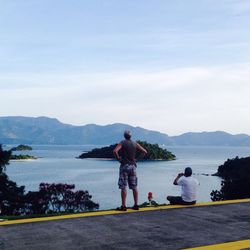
(154,152)
(235,185)
(44,130)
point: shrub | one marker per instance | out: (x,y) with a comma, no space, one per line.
(235,184)
(51,198)
(57,198)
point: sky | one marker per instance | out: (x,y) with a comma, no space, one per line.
(171,66)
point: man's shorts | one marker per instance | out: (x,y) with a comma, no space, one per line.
(127,176)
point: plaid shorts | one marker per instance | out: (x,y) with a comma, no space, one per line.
(127,176)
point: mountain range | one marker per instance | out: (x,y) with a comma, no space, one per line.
(44,130)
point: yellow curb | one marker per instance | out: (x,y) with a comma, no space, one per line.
(113,212)
(236,245)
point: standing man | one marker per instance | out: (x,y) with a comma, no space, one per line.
(189,187)
(127,173)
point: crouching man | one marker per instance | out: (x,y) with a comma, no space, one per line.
(189,187)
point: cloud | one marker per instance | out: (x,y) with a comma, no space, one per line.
(171,100)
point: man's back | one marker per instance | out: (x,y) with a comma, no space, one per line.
(189,188)
(128,151)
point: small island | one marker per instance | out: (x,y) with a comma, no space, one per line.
(22,157)
(21,147)
(155,152)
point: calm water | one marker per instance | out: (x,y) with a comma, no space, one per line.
(99,177)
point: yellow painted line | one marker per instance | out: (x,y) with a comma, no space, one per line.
(113,212)
(236,245)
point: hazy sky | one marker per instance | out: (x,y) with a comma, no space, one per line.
(171,66)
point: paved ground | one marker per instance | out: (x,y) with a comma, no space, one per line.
(163,229)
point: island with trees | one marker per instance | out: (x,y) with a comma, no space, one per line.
(21,147)
(22,157)
(235,174)
(155,152)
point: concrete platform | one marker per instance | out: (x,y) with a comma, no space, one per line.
(168,227)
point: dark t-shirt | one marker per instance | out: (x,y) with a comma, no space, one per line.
(128,152)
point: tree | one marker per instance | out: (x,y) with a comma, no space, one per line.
(11,196)
(4,158)
(57,198)
(51,198)
(235,183)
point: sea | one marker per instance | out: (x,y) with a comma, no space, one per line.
(59,164)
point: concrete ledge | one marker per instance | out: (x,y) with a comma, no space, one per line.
(114,212)
(236,245)
(210,225)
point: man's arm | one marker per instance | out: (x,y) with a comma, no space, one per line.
(142,151)
(116,150)
(177,178)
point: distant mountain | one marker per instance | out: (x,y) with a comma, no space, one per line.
(218,138)
(44,130)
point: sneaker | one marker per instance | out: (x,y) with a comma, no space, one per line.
(135,207)
(121,208)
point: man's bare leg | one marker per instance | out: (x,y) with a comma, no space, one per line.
(124,196)
(135,194)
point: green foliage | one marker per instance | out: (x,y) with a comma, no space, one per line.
(154,152)
(235,184)
(104,152)
(22,157)
(11,196)
(51,198)
(57,198)
(4,158)
(21,147)
(147,204)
